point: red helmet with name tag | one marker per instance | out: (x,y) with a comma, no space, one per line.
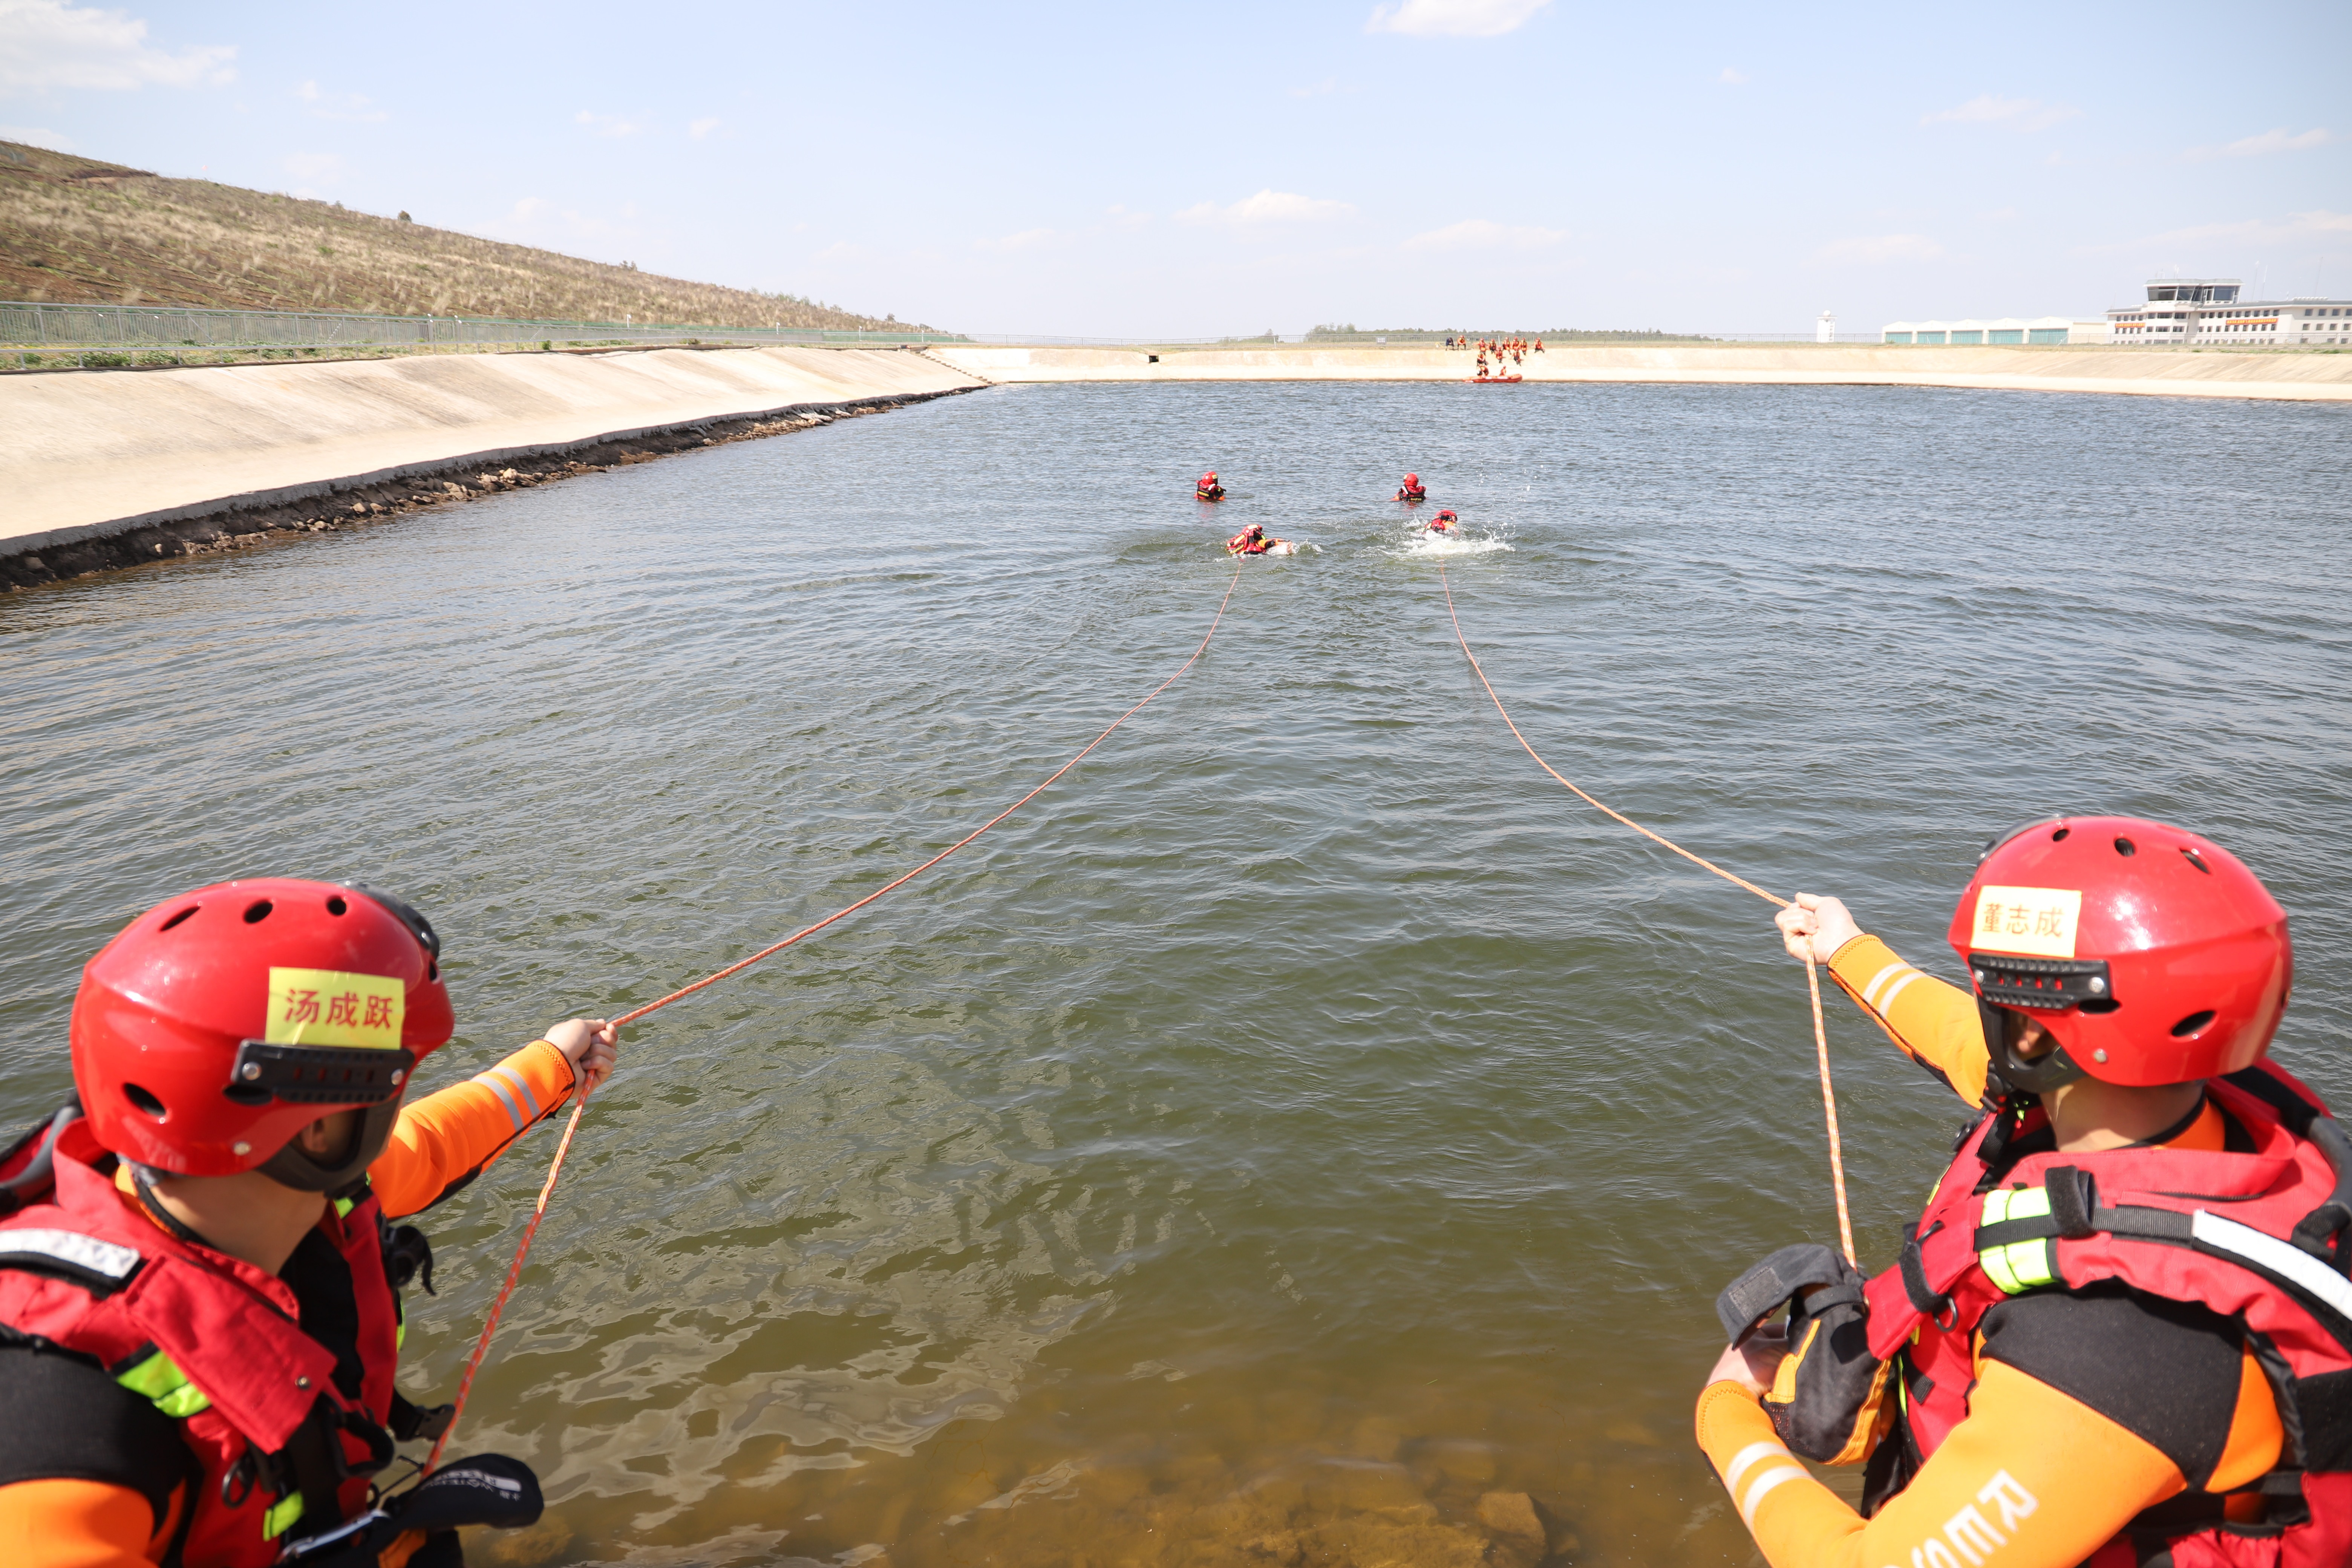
(2150,954)
(220,1024)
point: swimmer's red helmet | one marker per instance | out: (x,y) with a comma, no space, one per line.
(1412,478)
(1447,516)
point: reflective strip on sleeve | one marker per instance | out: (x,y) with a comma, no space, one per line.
(2274,1257)
(1765,1483)
(106,1258)
(1748,1458)
(1886,1002)
(159,1379)
(1869,992)
(506,1098)
(522,1089)
(2020,1266)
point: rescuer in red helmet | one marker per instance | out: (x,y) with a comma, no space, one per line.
(2122,1332)
(1208,488)
(199,1275)
(1412,490)
(1445,522)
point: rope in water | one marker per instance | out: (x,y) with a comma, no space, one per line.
(580,1106)
(1813,974)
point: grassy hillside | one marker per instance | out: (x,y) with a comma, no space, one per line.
(75,231)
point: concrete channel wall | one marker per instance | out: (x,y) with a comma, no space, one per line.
(2302,376)
(89,454)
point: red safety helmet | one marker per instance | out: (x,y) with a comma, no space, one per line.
(1412,478)
(2153,956)
(220,1024)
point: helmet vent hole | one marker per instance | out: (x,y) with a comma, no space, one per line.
(2192,1023)
(258,911)
(2059,836)
(432,968)
(145,1100)
(2125,847)
(2101,1004)
(2197,860)
(176,920)
(336,905)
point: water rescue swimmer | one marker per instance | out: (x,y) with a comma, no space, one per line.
(1253,541)
(1445,522)
(1412,491)
(1207,488)
(2121,1332)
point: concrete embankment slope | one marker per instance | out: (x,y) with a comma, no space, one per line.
(2302,376)
(86,455)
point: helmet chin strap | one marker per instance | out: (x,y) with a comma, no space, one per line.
(290,1167)
(2054,1069)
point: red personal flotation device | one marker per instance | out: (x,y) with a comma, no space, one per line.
(1250,540)
(283,1432)
(2257,1238)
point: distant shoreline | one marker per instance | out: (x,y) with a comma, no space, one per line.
(2295,376)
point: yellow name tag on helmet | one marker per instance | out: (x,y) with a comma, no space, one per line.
(2038,922)
(330,1008)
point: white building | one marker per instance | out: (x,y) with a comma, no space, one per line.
(2205,312)
(2008,330)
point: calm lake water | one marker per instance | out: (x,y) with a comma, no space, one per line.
(1306,1120)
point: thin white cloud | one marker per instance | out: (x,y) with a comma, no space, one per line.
(1732,78)
(2018,113)
(1481,233)
(2319,222)
(323,167)
(1027,239)
(1876,250)
(1453,18)
(1329,84)
(32,136)
(1268,206)
(609,124)
(337,105)
(47,44)
(1121,218)
(703,127)
(2279,141)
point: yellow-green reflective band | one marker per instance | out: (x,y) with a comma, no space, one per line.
(344,1207)
(159,1378)
(2020,1266)
(282,1516)
(399,1335)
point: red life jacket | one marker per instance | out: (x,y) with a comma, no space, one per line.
(1242,544)
(281,1428)
(2256,1237)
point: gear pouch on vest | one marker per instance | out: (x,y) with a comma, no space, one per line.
(1827,1400)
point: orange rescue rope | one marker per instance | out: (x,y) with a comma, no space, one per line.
(1813,974)
(538,1211)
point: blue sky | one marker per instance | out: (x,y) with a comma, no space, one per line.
(1214,168)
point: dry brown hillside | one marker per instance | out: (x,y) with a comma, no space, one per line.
(80,232)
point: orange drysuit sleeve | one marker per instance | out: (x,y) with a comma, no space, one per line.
(67,1524)
(1935,1023)
(449,1137)
(2031,1478)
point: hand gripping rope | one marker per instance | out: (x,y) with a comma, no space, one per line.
(1813,974)
(539,1210)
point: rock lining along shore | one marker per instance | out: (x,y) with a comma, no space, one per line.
(112,468)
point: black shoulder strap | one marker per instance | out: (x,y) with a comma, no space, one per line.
(62,1419)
